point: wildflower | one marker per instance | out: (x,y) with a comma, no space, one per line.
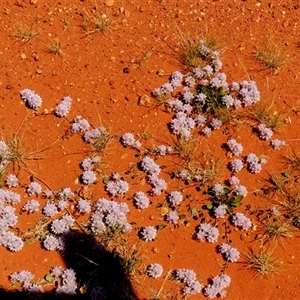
(128,140)
(176,79)
(182,124)
(89,163)
(11,181)
(236,165)
(154,270)
(248,93)
(240,220)
(255,163)
(83,206)
(118,188)
(215,124)
(51,243)
(94,134)
(141,201)
(241,190)
(149,166)
(50,209)
(217,287)
(148,233)
(277,144)
(62,225)
(11,242)
(31,206)
(88,177)
(175,197)
(80,125)
(233,180)
(206,131)
(56,271)
(207,232)
(189,81)
(219,81)
(192,288)
(31,99)
(218,189)
(235,147)
(186,276)
(228,101)
(24,277)
(265,133)
(172,217)
(63,108)
(34,189)
(159,184)
(220,211)
(35,291)
(230,254)
(62,204)
(163,150)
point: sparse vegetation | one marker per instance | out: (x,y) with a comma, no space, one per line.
(267,115)
(204,155)
(271,57)
(262,262)
(54,46)
(24,33)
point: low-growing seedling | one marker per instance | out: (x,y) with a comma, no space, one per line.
(262,262)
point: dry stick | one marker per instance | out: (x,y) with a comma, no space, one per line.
(162,286)
(19,127)
(80,226)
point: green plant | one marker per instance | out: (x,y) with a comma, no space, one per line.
(271,57)
(227,197)
(214,98)
(262,262)
(129,258)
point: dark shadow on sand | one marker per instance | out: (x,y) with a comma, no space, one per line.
(98,272)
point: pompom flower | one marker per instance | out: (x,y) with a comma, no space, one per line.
(34,189)
(31,206)
(63,108)
(148,233)
(154,270)
(31,99)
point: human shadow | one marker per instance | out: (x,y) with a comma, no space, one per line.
(100,273)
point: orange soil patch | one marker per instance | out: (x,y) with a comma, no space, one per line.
(105,73)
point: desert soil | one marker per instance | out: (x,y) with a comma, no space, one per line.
(106,74)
